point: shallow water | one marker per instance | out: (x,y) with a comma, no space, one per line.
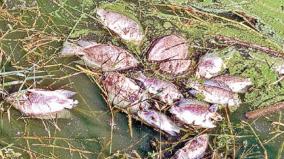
(88,132)
(88,129)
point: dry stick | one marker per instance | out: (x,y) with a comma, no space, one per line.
(239,43)
(280,151)
(64,148)
(265,111)
(278,123)
(231,131)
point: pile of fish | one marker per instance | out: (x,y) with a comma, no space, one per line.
(157,102)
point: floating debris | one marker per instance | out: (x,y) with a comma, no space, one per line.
(104,56)
(193,112)
(193,149)
(210,65)
(38,102)
(216,95)
(171,52)
(235,83)
(265,111)
(124,93)
(167,92)
(159,121)
(123,26)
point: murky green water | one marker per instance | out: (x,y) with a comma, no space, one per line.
(88,134)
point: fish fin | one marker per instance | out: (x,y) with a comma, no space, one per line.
(213,108)
(72,104)
(86,44)
(66,93)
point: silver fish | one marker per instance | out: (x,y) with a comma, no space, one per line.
(166,91)
(123,26)
(193,149)
(39,102)
(193,112)
(235,83)
(124,93)
(210,65)
(217,95)
(159,121)
(104,56)
(171,52)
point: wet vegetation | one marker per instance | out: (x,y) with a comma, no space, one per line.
(32,34)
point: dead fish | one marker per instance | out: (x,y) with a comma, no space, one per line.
(210,65)
(235,83)
(279,69)
(124,93)
(175,67)
(123,26)
(171,52)
(159,121)
(104,56)
(166,91)
(193,149)
(193,112)
(213,94)
(39,102)
(168,47)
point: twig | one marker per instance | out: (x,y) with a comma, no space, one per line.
(279,80)
(231,131)
(130,124)
(265,111)
(64,148)
(278,123)
(23,81)
(239,43)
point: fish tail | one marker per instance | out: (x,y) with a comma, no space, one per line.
(70,49)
